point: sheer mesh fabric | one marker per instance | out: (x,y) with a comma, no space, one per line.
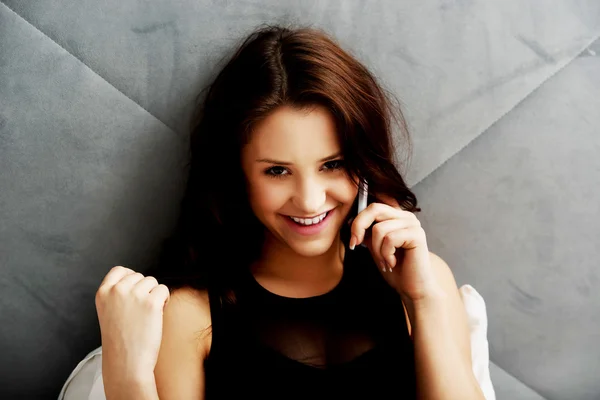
(352,341)
(321,332)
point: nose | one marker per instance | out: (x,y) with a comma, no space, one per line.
(310,197)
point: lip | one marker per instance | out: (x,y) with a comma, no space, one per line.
(318,215)
(312,229)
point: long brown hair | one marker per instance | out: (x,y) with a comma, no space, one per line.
(217,233)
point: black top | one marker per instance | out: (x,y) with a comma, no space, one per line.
(351,342)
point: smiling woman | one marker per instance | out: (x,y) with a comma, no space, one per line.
(269,296)
(310,183)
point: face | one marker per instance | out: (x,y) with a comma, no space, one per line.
(294,168)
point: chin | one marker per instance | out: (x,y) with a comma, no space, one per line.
(311,249)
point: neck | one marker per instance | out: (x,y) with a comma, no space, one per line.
(283,271)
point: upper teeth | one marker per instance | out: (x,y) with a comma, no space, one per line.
(310,221)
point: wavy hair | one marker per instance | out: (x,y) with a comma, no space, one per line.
(217,233)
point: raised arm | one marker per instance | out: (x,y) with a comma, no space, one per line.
(179,372)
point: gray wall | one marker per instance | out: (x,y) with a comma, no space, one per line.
(501,97)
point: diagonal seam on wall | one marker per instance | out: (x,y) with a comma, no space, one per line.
(502,115)
(87,66)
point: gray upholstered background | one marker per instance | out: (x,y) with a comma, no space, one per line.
(503,97)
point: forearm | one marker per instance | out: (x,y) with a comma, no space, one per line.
(441,370)
(118,386)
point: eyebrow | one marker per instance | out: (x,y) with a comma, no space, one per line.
(267,160)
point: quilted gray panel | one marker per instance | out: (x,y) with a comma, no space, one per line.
(458,65)
(83,168)
(88,180)
(516,215)
(507,387)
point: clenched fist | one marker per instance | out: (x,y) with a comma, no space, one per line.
(130,311)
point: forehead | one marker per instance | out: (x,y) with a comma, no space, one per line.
(289,134)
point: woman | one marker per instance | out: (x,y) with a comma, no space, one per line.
(272,293)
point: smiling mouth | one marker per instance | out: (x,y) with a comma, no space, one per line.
(316,216)
(312,221)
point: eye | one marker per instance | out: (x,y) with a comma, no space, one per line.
(334,164)
(276,172)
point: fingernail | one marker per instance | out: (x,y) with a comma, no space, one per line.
(353,241)
(383,266)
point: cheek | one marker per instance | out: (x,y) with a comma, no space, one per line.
(347,192)
(266,198)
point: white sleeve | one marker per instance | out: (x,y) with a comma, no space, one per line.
(478,323)
(85,382)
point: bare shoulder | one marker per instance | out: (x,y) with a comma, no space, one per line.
(188,311)
(185,344)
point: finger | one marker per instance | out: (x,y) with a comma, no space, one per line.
(145,286)
(115,275)
(161,295)
(373,213)
(391,243)
(129,281)
(378,234)
(407,238)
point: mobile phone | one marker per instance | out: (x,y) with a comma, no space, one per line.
(363,194)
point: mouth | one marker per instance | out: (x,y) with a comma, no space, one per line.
(310,226)
(308,221)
